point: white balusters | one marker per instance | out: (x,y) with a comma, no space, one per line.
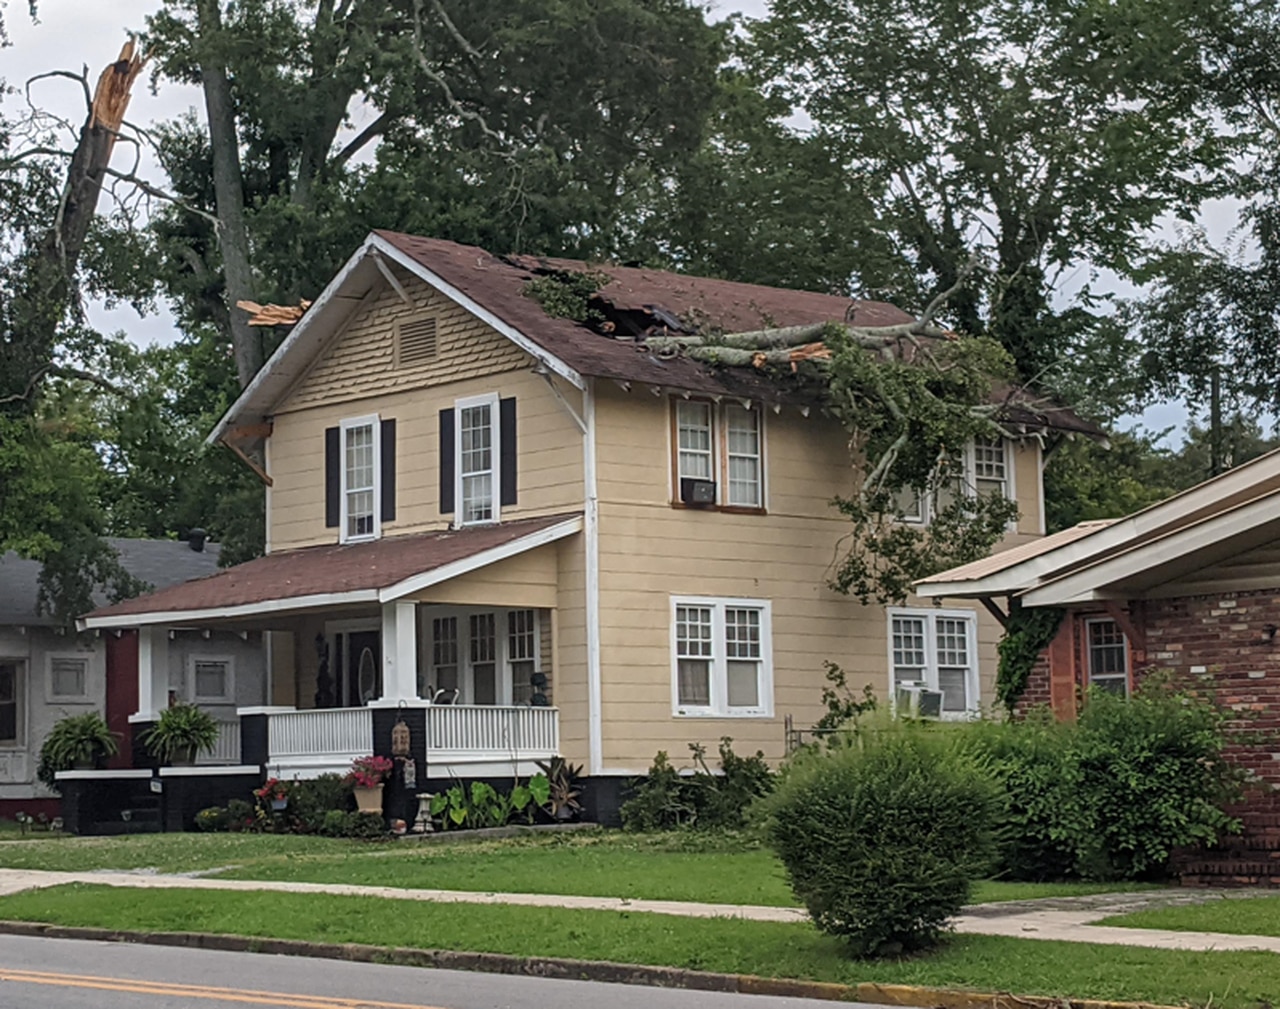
(492,731)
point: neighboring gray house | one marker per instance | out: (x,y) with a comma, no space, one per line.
(47,673)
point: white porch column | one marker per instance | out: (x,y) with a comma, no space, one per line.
(399,655)
(153,673)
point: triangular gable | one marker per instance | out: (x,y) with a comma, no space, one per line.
(346,294)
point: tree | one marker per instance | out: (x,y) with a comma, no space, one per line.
(1049,136)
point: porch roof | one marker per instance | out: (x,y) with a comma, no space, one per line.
(315,577)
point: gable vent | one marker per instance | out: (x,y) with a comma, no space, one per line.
(415,341)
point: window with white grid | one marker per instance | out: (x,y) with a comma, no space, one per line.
(1108,656)
(68,678)
(990,467)
(360,466)
(522,653)
(477,461)
(936,650)
(444,680)
(484,659)
(696,436)
(742,436)
(722,657)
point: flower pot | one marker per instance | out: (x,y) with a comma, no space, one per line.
(369,800)
(183,756)
(279,804)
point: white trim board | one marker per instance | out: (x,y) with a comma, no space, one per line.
(1090,582)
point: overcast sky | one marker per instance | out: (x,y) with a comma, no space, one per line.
(71,34)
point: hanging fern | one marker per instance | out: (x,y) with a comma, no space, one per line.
(1026,636)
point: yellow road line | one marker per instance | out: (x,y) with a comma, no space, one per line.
(242,995)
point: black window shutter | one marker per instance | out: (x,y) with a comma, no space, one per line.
(507,445)
(332,477)
(388,450)
(446,462)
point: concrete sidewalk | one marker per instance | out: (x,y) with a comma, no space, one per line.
(1056,918)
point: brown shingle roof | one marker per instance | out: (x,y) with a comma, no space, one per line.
(692,303)
(327,570)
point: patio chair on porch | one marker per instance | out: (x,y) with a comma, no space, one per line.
(445,695)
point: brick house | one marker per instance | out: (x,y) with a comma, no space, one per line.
(1190,585)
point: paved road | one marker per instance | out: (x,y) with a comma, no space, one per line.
(69,974)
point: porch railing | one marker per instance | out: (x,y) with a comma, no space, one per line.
(227,748)
(500,731)
(329,737)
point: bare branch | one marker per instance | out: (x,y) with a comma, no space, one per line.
(146,187)
(60,371)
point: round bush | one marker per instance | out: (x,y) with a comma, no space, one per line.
(882,834)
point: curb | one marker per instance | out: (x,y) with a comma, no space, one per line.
(573,970)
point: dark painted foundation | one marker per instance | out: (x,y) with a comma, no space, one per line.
(131,805)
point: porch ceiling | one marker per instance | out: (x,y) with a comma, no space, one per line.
(362,574)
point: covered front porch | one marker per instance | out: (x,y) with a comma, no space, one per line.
(452,633)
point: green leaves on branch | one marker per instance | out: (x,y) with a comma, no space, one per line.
(1027,634)
(911,422)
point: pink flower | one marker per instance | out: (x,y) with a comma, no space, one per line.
(369,772)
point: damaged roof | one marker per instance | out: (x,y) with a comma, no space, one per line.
(636,303)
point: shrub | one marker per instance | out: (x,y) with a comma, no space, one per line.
(213,818)
(334,823)
(180,733)
(1037,829)
(665,799)
(240,815)
(882,835)
(1151,776)
(310,802)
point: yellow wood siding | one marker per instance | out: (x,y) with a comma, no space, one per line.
(548,446)
(650,551)
(569,644)
(526,580)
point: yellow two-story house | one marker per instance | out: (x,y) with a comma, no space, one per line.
(526,536)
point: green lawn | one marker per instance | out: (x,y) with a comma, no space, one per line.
(1242,916)
(715,869)
(1022,966)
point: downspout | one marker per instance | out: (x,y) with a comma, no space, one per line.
(591,528)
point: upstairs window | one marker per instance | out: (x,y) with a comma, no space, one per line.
(477,443)
(986,468)
(696,434)
(360,477)
(721,657)
(936,651)
(1108,656)
(989,471)
(723,445)
(358,488)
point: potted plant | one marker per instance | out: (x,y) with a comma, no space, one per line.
(366,776)
(275,792)
(77,741)
(181,732)
(564,780)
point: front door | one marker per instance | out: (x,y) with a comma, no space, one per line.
(359,672)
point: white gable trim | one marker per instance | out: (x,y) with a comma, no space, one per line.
(1091,583)
(483,559)
(188,617)
(406,261)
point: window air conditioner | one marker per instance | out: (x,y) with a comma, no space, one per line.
(697,492)
(915,700)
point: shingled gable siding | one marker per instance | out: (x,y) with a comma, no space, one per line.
(549,463)
(362,362)
(650,551)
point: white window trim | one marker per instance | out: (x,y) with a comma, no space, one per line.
(491,400)
(373,421)
(758,413)
(1090,679)
(719,708)
(229,696)
(81,698)
(501,646)
(972,686)
(719,450)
